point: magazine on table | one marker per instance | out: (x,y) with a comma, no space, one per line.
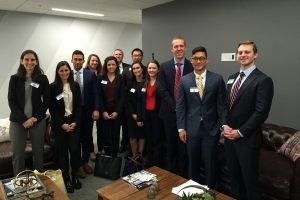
(140,179)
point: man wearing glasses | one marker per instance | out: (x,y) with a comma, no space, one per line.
(199,105)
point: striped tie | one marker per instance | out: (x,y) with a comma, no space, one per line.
(177,78)
(235,89)
(200,86)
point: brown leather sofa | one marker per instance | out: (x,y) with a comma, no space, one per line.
(279,176)
(6,169)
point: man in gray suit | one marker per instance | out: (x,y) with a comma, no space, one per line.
(199,106)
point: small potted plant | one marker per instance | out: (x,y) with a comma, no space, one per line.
(205,195)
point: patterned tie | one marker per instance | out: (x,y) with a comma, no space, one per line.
(177,78)
(200,86)
(235,89)
(78,79)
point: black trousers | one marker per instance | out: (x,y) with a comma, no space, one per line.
(154,139)
(111,136)
(86,135)
(124,123)
(176,153)
(67,143)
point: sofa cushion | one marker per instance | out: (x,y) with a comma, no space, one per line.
(291,148)
(4,130)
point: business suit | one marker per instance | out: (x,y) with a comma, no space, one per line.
(247,114)
(90,102)
(175,153)
(40,98)
(66,142)
(111,127)
(200,118)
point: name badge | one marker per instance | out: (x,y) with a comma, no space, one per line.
(104,82)
(36,85)
(60,96)
(230,81)
(194,90)
(143,89)
(132,90)
(129,68)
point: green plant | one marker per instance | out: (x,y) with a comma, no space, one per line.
(203,196)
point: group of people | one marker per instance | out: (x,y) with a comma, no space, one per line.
(171,114)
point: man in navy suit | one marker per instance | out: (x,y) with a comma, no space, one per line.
(199,107)
(176,156)
(247,106)
(90,108)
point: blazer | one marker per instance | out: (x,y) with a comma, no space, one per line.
(252,105)
(134,89)
(119,93)
(40,98)
(90,91)
(191,109)
(166,82)
(57,106)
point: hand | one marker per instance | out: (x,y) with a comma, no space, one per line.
(134,116)
(140,124)
(113,115)
(65,127)
(95,115)
(105,115)
(72,126)
(231,134)
(28,123)
(183,136)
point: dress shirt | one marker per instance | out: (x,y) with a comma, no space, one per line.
(81,75)
(181,67)
(68,99)
(203,75)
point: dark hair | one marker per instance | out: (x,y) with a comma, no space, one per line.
(137,49)
(57,79)
(99,66)
(199,49)
(147,82)
(37,72)
(248,42)
(109,58)
(77,52)
(143,69)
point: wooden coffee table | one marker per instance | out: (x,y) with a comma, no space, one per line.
(166,181)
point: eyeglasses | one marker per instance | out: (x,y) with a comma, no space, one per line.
(201,59)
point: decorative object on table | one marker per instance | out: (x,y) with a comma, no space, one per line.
(107,166)
(26,185)
(153,190)
(192,190)
(56,177)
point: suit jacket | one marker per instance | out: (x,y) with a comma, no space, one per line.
(166,82)
(134,90)
(251,107)
(191,109)
(90,91)
(57,106)
(16,98)
(119,93)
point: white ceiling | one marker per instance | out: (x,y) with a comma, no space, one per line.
(129,11)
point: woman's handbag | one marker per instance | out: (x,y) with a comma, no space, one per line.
(56,177)
(107,166)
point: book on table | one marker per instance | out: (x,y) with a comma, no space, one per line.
(140,179)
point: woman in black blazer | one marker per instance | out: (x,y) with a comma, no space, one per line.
(65,110)
(147,113)
(28,99)
(111,104)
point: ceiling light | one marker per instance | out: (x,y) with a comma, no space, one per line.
(78,12)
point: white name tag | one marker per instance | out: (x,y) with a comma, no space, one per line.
(36,85)
(129,68)
(132,90)
(104,82)
(143,89)
(230,81)
(58,97)
(193,90)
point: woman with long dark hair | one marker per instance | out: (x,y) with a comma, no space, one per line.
(65,110)
(111,105)
(28,99)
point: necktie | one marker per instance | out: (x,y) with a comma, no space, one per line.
(200,86)
(177,78)
(235,89)
(78,80)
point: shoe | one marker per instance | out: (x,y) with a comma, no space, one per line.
(122,149)
(88,169)
(69,186)
(81,172)
(92,156)
(76,183)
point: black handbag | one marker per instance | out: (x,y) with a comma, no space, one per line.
(107,166)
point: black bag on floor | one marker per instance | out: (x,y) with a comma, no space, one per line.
(107,166)
(131,167)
